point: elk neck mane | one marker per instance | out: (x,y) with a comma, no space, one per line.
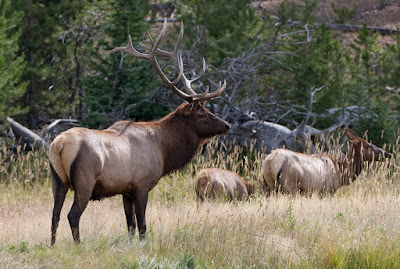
(180,141)
(350,165)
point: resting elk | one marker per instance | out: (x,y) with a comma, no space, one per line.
(218,183)
(293,172)
(129,158)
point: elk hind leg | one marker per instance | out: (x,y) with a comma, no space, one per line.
(83,182)
(59,192)
(80,202)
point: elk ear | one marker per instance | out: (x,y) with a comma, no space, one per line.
(188,109)
(352,136)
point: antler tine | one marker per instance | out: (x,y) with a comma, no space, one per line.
(203,71)
(129,49)
(215,93)
(152,57)
(170,84)
(188,82)
(154,49)
(178,41)
(170,54)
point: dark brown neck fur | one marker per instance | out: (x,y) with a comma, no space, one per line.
(350,166)
(180,142)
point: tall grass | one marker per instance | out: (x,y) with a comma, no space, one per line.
(23,167)
(358,227)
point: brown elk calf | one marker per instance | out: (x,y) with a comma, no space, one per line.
(129,158)
(218,183)
(293,172)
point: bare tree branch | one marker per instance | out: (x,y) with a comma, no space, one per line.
(27,135)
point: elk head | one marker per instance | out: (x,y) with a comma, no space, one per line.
(202,121)
(366,150)
(360,151)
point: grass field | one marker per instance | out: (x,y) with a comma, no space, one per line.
(358,227)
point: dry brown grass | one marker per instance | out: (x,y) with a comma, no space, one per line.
(356,228)
(286,230)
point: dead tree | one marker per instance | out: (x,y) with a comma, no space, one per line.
(35,141)
(27,136)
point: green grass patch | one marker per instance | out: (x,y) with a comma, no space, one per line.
(363,257)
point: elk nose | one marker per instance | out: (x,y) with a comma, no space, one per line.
(227,126)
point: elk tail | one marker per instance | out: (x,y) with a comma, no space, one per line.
(59,175)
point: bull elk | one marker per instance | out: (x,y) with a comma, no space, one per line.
(293,172)
(218,183)
(129,158)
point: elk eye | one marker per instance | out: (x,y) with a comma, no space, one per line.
(200,116)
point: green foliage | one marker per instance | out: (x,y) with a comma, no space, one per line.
(306,13)
(313,58)
(319,65)
(381,123)
(328,58)
(76,36)
(390,74)
(126,17)
(354,75)
(343,13)
(366,89)
(365,57)
(54,64)
(12,66)
(365,257)
(43,50)
(224,26)
(121,88)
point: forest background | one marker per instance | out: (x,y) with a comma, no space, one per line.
(272,54)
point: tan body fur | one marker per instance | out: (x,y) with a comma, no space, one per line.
(296,172)
(292,172)
(218,183)
(116,156)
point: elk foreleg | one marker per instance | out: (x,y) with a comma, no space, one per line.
(129,213)
(140,211)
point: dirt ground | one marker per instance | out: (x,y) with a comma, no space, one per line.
(374,13)
(377,13)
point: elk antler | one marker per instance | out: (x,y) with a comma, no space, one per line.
(178,62)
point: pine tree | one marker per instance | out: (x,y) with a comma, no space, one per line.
(122,88)
(12,66)
(77,35)
(42,49)
(225,26)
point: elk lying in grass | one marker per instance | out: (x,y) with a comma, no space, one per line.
(129,158)
(293,172)
(218,183)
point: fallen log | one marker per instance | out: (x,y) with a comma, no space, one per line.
(347,27)
(27,135)
(351,28)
